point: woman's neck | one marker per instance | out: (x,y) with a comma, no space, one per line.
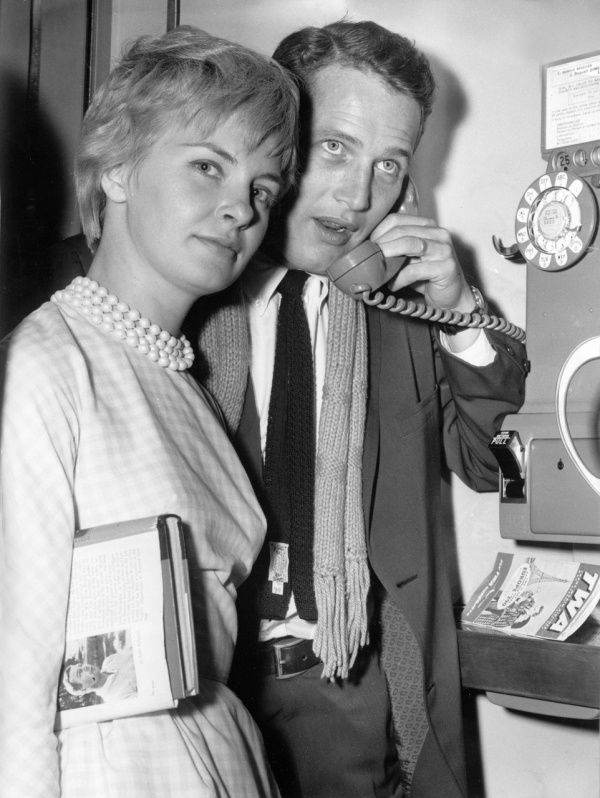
(142,291)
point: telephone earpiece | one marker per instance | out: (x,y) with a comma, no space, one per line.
(410,198)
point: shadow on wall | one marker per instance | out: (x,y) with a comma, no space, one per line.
(435,150)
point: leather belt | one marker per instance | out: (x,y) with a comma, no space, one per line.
(286,656)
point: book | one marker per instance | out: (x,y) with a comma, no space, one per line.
(130,645)
(534,597)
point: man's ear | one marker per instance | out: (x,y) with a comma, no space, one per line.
(114,183)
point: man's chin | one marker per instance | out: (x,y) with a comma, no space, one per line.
(312,262)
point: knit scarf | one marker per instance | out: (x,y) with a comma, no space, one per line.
(341,571)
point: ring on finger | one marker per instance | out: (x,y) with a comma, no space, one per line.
(424,246)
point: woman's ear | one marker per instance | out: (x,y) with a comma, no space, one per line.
(114,183)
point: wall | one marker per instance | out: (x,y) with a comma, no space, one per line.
(133,18)
(481,150)
(38,138)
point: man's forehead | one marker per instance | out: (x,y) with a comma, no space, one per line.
(359,103)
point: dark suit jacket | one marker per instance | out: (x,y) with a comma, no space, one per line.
(426,407)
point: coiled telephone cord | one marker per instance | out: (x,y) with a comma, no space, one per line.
(427,313)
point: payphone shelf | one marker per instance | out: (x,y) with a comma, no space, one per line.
(566,674)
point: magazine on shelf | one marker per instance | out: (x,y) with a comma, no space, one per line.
(130,645)
(534,597)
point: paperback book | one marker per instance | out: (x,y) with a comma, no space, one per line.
(130,645)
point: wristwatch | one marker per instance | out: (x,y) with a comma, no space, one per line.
(480,302)
(480,307)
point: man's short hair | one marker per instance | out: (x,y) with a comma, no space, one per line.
(365,46)
(185,76)
(72,685)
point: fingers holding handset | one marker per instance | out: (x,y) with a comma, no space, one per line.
(432,267)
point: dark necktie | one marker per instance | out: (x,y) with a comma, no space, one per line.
(289,472)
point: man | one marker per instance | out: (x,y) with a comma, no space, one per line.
(383,428)
(114,681)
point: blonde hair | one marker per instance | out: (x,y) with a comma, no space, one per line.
(185,76)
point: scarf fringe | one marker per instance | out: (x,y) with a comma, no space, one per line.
(359,582)
(330,643)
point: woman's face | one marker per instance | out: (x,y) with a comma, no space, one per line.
(197,206)
(85,675)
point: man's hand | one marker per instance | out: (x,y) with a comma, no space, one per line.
(432,268)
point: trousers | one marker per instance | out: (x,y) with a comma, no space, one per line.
(327,739)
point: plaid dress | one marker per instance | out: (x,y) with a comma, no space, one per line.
(93,432)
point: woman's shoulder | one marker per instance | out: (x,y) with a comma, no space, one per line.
(45,343)
(39,326)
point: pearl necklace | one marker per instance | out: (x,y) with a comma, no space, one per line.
(118,319)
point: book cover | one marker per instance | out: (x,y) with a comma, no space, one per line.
(129,640)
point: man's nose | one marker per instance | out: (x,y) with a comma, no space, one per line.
(354,189)
(237,209)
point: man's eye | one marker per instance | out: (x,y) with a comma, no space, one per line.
(332,146)
(389,167)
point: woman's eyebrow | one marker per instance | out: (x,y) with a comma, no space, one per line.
(230,159)
(272,176)
(214,148)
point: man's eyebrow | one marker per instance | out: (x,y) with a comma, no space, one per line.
(346,138)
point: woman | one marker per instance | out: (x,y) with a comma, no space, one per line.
(183,153)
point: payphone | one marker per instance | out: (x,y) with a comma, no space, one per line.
(549,491)
(543,495)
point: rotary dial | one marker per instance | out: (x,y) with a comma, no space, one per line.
(556,221)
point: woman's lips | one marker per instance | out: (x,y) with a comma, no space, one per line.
(222,247)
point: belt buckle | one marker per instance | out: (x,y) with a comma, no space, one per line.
(279,646)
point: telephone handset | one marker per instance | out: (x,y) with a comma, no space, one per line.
(365,265)
(365,269)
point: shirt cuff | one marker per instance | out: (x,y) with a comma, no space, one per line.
(480,353)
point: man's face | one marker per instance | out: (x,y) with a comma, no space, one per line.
(361,140)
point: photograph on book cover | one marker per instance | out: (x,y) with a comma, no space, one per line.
(97,670)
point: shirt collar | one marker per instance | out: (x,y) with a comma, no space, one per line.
(261,279)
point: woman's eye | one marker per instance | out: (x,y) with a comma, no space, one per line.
(206,168)
(264,196)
